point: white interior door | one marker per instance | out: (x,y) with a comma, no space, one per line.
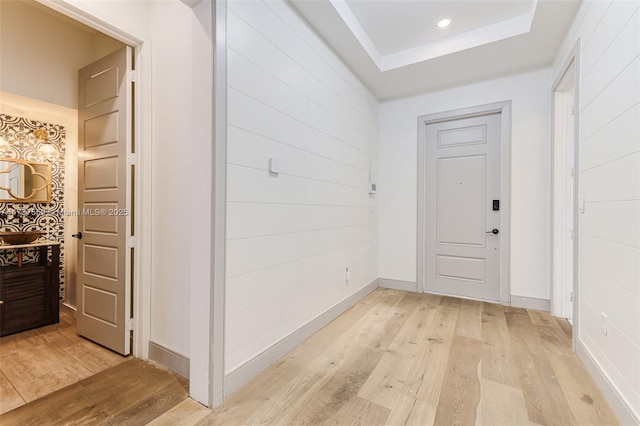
(104,194)
(569,226)
(563,204)
(462,224)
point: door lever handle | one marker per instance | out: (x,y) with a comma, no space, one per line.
(494,231)
(78,235)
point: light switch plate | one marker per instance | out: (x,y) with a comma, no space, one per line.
(275,165)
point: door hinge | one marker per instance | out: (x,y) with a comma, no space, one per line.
(131,159)
(571,171)
(573,110)
(571,234)
(570,296)
(131,242)
(131,76)
(129,325)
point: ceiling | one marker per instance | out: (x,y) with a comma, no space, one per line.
(60,16)
(397,51)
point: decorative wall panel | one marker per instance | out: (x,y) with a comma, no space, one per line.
(49,218)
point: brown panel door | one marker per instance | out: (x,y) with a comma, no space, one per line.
(104,120)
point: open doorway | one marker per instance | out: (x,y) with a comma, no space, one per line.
(564,189)
(176,105)
(40,361)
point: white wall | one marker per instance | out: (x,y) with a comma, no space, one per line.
(172,169)
(609,180)
(42,53)
(291,236)
(201,220)
(182,173)
(181,213)
(530,171)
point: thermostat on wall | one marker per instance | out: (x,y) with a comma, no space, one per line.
(372,188)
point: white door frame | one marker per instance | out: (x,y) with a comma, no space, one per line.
(207,368)
(142,199)
(573,59)
(504,108)
(219,208)
(210,313)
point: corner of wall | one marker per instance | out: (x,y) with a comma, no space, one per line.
(174,361)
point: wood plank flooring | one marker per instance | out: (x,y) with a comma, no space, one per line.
(135,392)
(37,362)
(400,358)
(395,358)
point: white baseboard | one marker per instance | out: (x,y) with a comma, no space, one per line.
(530,303)
(618,404)
(170,359)
(71,310)
(397,284)
(241,375)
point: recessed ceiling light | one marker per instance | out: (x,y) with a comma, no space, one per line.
(444,23)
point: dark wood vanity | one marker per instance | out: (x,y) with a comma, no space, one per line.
(29,292)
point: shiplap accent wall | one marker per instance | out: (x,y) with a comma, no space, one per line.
(290,236)
(609,176)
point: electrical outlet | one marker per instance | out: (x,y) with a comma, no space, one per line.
(347,275)
(605,320)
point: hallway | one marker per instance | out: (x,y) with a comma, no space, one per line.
(401,358)
(394,358)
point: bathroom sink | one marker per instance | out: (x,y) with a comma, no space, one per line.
(20,237)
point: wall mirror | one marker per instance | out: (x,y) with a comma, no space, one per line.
(24,181)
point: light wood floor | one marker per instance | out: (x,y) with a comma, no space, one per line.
(400,358)
(395,358)
(38,362)
(134,392)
